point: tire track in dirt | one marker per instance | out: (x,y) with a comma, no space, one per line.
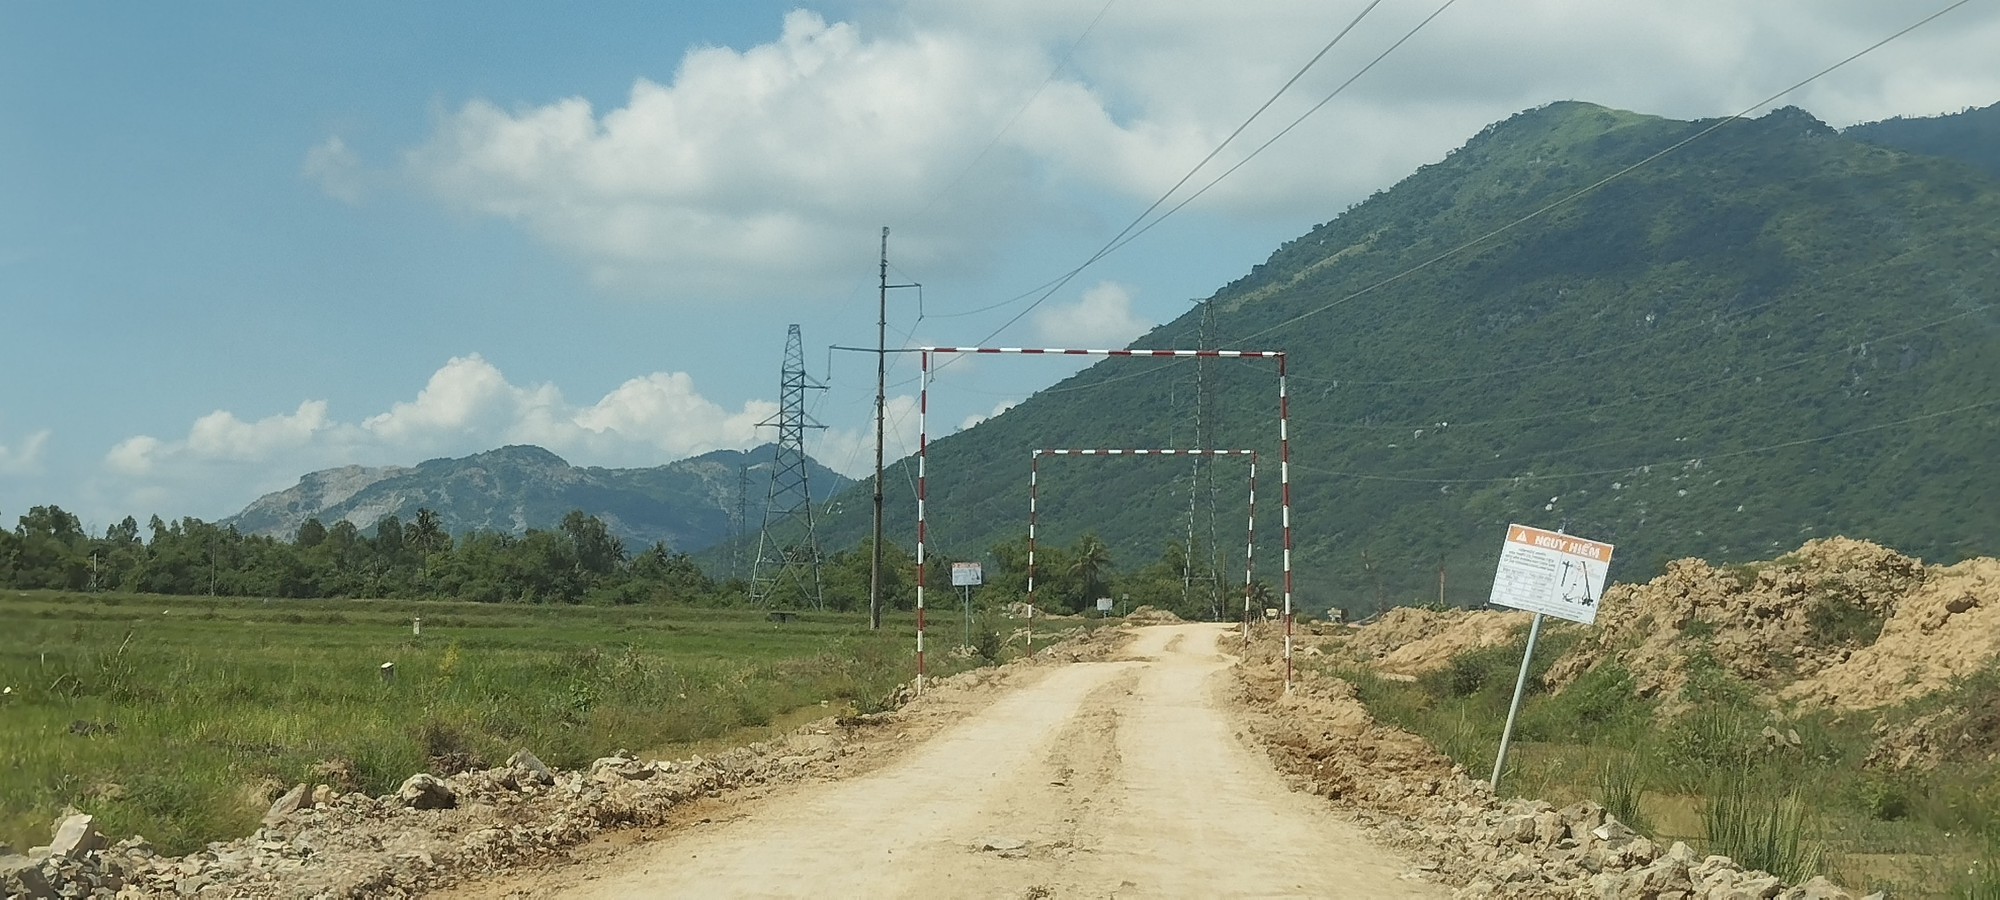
(1107,779)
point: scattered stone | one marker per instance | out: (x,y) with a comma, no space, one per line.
(286,804)
(424,791)
(1002,844)
(77,834)
(1456,831)
(526,761)
(22,877)
(1613,832)
(1819,888)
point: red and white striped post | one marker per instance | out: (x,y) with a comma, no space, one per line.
(1250,551)
(1284,458)
(923,441)
(1034,479)
(1285,505)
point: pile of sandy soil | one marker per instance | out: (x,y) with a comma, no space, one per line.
(1412,641)
(1803,626)
(1768,623)
(1152,615)
(1943,630)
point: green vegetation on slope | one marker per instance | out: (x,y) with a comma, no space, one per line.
(1971,136)
(1772,333)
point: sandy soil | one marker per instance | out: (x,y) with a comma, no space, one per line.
(1112,779)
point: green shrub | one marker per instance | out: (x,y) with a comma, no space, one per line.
(1762,828)
(1838,619)
(987,644)
(1620,782)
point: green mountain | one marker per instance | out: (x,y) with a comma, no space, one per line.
(1772,333)
(1971,137)
(689,504)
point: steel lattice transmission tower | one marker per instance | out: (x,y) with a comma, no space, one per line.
(788,507)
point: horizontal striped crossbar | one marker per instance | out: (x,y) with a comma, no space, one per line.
(1212,354)
(1072,452)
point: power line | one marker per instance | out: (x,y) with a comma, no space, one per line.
(1212,154)
(1684,389)
(1515,370)
(1572,197)
(1057,70)
(1678,459)
(1288,128)
(1732,314)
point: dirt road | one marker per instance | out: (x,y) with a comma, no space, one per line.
(1108,779)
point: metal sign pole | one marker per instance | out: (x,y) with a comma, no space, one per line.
(968,615)
(1514,708)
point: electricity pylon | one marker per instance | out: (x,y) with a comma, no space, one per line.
(788,560)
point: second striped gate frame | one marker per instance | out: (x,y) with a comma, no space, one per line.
(1034,493)
(1284,457)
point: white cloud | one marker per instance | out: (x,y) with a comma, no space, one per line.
(977,418)
(1101,318)
(780,160)
(752,172)
(467,406)
(851,451)
(24,458)
(336,169)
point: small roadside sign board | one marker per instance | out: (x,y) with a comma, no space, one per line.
(965,574)
(1551,573)
(1104,604)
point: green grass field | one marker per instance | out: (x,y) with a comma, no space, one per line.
(171,716)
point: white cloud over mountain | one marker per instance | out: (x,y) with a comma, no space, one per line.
(751,171)
(1101,318)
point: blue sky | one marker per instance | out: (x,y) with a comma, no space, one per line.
(239,242)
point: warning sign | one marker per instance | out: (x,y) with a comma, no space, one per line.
(1551,573)
(965,574)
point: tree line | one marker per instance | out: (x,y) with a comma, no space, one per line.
(579,561)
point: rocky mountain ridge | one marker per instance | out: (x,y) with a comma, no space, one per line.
(689,504)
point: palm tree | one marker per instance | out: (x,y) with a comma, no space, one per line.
(1093,562)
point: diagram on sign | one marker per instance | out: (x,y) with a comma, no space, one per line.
(1551,573)
(1574,586)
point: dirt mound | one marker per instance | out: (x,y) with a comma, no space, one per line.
(1841,622)
(1412,641)
(1152,615)
(1945,629)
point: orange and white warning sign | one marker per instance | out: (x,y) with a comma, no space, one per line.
(1551,573)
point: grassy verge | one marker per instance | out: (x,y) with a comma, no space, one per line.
(173,717)
(1714,777)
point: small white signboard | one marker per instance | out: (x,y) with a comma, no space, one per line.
(1551,573)
(1104,604)
(965,574)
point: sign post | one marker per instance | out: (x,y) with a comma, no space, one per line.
(1547,573)
(965,576)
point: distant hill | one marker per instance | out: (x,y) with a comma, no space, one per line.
(1772,333)
(1971,137)
(688,504)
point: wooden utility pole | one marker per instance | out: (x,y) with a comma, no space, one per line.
(881,391)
